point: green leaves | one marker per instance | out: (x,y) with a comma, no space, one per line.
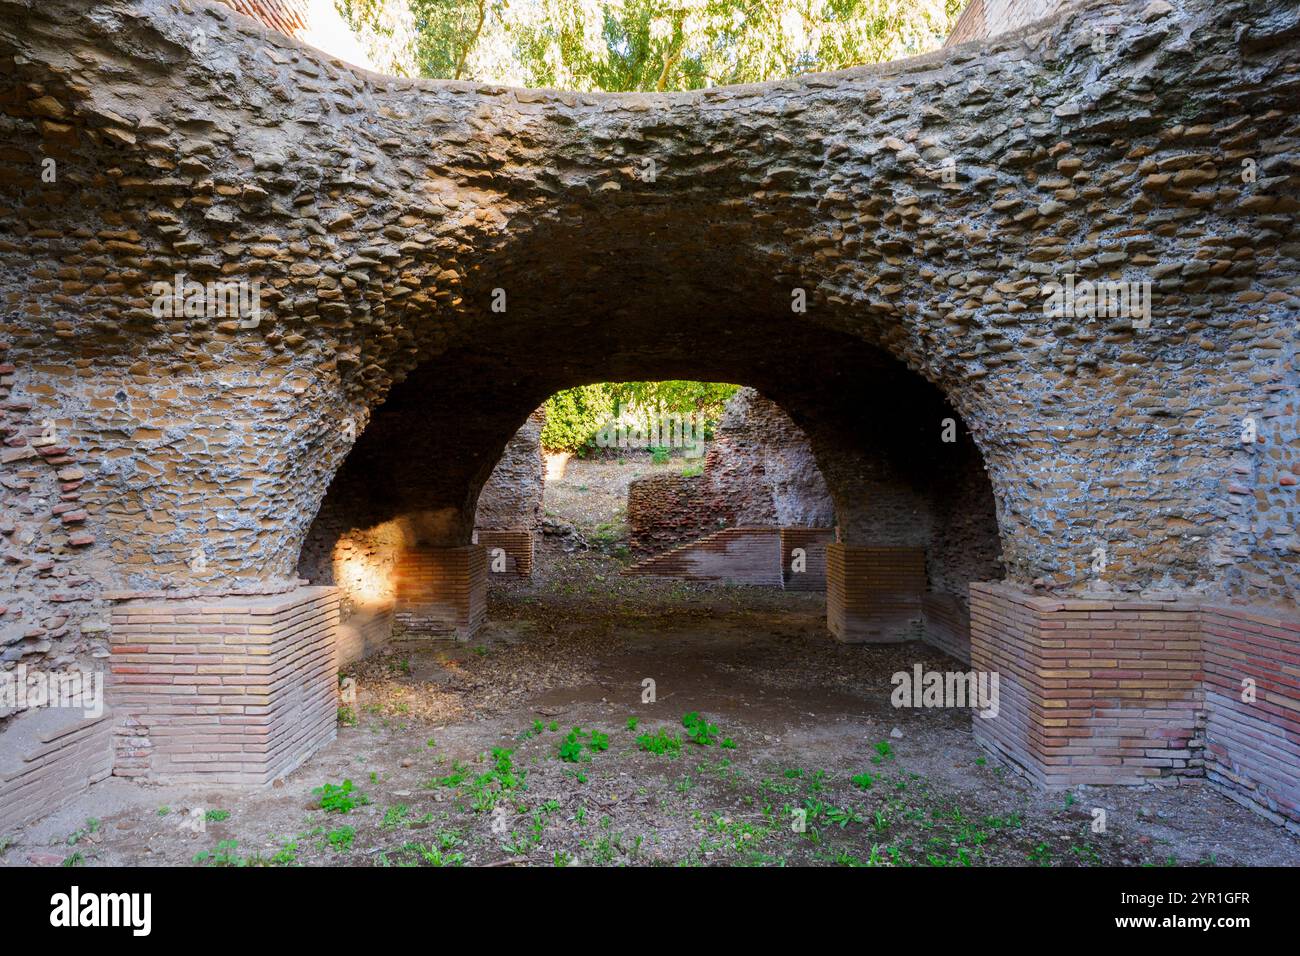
(699,729)
(640,45)
(340,799)
(572,746)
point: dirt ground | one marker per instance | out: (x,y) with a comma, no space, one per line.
(591,495)
(456,755)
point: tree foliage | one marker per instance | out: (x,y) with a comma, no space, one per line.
(575,415)
(627,45)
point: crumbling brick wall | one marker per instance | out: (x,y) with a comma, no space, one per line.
(982,19)
(512,497)
(759,471)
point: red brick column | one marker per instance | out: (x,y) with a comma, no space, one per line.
(516,545)
(441,592)
(1253,746)
(223,690)
(1091,691)
(873,595)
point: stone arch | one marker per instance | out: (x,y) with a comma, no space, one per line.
(876,428)
(379,216)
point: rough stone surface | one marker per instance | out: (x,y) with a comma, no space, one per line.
(918,206)
(511,498)
(381,214)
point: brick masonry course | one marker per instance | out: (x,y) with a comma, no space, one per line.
(380,214)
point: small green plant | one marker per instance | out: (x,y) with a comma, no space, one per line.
(395,816)
(660,455)
(659,743)
(216,816)
(1041,854)
(459,773)
(883,752)
(342,798)
(571,748)
(74,859)
(572,745)
(347,716)
(223,854)
(341,839)
(163,811)
(631,724)
(699,730)
(863,781)
(287,855)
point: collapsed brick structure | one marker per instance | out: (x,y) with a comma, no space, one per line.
(933,508)
(759,470)
(454,253)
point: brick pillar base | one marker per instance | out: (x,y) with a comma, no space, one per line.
(223,690)
(509,551)
(441,592)
(1091,691)
(873,595)
(814,542)
(1252,706)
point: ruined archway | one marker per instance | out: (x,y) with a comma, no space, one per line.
(920,208)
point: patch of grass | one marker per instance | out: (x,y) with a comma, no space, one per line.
(341,839)
(223,854)
(659,743)
(217,816)
(863,781)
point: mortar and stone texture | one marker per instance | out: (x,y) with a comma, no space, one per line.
(920,206)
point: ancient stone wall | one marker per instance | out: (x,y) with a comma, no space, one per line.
(371,252)
(758,471)
(926,209)
(511,498)
(982,19)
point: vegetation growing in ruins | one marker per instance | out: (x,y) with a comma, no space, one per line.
(575,416)
(640,45)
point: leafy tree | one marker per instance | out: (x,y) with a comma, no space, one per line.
(625,45)
(575,416)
